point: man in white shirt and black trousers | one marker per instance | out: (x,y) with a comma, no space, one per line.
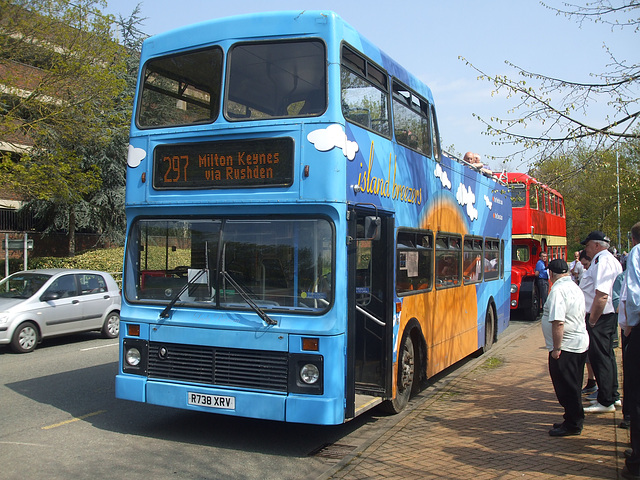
(597,286)
(566,338)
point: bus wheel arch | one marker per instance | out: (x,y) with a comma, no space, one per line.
(412,361)
(490,326)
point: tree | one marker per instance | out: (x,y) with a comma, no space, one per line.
(588,181)
(559,104)
(72,108)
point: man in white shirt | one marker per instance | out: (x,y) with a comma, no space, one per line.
(567,340)
(576,268)
(601,320)
(630,302)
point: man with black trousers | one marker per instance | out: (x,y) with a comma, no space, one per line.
(601,320)
(567,340)
(630,301)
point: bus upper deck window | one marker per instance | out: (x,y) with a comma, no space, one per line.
(275,80)
(181,89)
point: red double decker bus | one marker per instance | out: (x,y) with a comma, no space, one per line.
(539,224)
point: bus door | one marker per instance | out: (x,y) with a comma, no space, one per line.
(370,257)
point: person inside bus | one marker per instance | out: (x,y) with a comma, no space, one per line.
(542,278)
(567,341)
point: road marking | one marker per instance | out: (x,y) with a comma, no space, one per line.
(24,444)
(73,420)
(101,346)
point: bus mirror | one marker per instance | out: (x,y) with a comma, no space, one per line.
(372,228)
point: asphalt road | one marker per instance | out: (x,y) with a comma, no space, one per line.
(60,419)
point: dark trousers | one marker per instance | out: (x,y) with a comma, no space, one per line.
(566,374)
(632,395)
(543,288)
(623,341)
(603,359)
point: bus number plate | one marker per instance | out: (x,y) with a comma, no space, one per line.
(213,401)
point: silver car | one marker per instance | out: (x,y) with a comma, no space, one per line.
(36,304)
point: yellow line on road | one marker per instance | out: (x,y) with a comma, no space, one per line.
(73,420)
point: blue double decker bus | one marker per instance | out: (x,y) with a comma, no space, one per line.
(298,247)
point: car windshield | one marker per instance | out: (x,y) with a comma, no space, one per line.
(279,264)
(22,285)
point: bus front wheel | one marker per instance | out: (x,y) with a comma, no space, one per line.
(406,372)
(531,313)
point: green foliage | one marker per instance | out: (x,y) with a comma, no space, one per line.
(76,115)
(587,179)
(106,260)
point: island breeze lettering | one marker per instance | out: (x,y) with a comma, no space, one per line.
(242,166)
(387,188)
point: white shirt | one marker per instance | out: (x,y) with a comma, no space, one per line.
(632,294)
(601,274)
(577,270)
(566,304)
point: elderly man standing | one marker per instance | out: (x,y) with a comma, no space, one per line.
(601,319)
(567,340)
(630,301)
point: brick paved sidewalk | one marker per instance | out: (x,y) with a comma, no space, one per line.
(491,422)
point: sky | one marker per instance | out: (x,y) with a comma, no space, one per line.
(427,37)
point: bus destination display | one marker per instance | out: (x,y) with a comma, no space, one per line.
(247,163)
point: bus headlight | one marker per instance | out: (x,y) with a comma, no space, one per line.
(514,288)
(309,374)
(132,357)
(306,374)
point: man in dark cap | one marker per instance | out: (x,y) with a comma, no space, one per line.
(566,338)
(601,320)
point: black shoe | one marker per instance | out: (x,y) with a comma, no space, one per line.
(563,431)
(628,452)
(624,424)
(629,475)
(557,425)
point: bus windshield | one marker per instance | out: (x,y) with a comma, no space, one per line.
(266,80)
(281,264)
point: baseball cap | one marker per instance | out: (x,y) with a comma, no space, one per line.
(595,235)
(558,266)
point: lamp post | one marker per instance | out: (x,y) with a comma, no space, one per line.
(618,186)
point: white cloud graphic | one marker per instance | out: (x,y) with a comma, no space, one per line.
(488,201)
(135,156)
(466,197)
(333,136)
(442,175)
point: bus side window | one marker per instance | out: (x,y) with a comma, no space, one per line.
(448,260)
(364,92)
(413,262)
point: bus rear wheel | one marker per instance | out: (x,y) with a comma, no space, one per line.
(489,328)
(406,374)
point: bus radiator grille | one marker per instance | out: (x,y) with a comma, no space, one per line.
(252,369)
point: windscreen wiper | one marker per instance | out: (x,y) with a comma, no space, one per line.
(245,296)
(165,312)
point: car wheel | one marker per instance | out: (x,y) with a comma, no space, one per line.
(25,338)
(111,327)
(406,370)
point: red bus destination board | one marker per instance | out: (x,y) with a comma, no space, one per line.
(224,164)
